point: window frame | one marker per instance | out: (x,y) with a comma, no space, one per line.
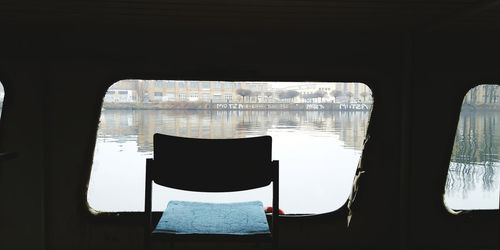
(136,217)
(462,97)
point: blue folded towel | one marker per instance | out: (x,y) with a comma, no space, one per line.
(241,218)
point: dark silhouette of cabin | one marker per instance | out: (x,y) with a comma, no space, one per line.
(418,57)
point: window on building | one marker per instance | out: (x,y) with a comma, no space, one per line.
(123,92)
(194,85)
(217,97)
(318,143)
(169,97)
(206,85)
(474,171)
(170,85)
(228,85)
(217,85)
(181,84)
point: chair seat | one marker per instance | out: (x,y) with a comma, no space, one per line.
(241,218)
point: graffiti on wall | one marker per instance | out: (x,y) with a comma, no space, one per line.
(314,106)
(353,106)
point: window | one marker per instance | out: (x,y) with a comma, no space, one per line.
(170,85)
(158,94)
(181,84)
(228,85)
(2,96)
(193,85)
(473,175)
(206,85)
(217,97)
(318,144)
(169,97)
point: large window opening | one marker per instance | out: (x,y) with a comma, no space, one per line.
(473,176)
(317,129)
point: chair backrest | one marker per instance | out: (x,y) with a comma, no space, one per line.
(212,165)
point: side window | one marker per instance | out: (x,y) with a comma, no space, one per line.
(2,95)
(317,129)
(474,171)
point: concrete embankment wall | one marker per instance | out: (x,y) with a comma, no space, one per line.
(241,106)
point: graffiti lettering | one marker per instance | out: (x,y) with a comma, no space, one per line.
(355,106)
(228,106)
(314,106)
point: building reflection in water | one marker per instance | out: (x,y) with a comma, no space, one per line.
(473,176)
(140,125)
(319,148)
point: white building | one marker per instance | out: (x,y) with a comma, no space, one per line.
(347,92)
(120,96)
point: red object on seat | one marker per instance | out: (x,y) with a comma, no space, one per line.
(270,210)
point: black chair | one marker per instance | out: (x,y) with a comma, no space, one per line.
(212,165)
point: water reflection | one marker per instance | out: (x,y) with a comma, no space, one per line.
(124,125)
(473,176)
(318,153)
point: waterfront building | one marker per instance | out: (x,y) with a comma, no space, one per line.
(150,91)
(126,91)
(154,91)
(347,92)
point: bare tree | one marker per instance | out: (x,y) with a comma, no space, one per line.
(364,95)
(336,94)
(320,94)
(243,93)
(307,97)
(292,94)
(268,94)
(256,94)
(349,95)
(289,94)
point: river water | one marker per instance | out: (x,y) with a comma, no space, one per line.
(474,170)
(318,153)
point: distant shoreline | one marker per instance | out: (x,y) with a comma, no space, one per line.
(482,107)
(241,106)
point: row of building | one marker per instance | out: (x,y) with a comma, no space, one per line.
(146,91)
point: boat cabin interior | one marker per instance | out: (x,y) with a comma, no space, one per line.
(418,58)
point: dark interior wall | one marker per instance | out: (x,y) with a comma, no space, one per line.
(21,180)
(55,83)
(446,66)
